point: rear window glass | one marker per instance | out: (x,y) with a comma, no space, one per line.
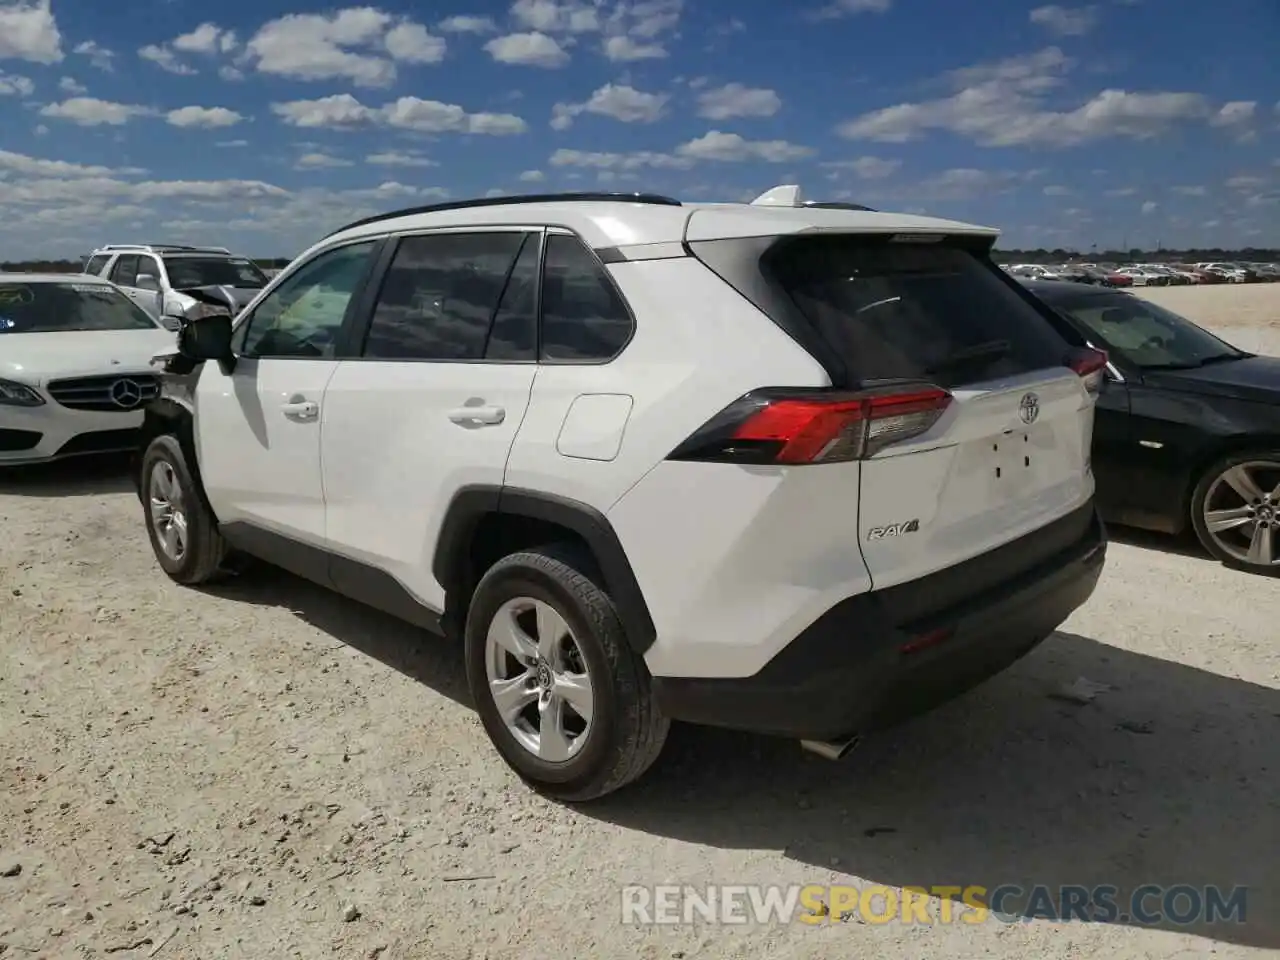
(58,307)
(925,311)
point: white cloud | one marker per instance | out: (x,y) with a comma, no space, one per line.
(630,30)
(230,73)
(619,101)
(413,43)
(66,85)
(866,168)
(1065,21)
(619,161)
(527,50)
(848,8)
(1057,190)
(1234,113)
(398,158)
(1149,207)
(35,167)
(550,16)
(12,85)
(28,31)
(98,56)
(348,44)
(207,39)
(624,49)
(1246,182)
(730,148)
(1002,104)
(467,25)
(532,176)
(209,117)
(343,111)
(1191,191)
(1121,192)
(91,112)
(320,161)
(232,144)
(736,100)
(165,59)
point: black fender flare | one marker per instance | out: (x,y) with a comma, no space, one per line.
(165,415)
(471,504)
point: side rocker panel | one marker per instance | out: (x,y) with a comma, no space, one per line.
(471,504)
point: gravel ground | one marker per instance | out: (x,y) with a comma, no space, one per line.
(268,771)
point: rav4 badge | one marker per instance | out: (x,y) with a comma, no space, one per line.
(893,530)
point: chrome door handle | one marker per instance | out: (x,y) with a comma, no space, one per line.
(300,409)
(488,415)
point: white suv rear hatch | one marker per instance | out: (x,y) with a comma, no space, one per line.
(985,433)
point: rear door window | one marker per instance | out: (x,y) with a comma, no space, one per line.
(125,272)
(917,311)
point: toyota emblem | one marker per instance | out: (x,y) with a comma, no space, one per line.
(1029,408)
(126,394)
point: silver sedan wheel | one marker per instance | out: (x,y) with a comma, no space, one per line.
(168,517)
(1242,512)
(538,679)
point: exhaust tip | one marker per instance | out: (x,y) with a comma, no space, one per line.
(829,749)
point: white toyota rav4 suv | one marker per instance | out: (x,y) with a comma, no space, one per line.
(781,467)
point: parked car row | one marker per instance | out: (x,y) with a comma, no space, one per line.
(609,443)
(1148,274)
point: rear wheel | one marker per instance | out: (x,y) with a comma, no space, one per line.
(1235,510)
(561,694)
(183,532)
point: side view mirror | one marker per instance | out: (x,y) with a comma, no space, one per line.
(146,281)
(206,337)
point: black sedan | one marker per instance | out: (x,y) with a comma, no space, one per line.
(1187,430)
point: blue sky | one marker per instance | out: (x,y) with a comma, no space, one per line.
(262,125)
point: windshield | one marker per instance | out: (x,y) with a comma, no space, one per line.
(1147,335)
(213,272)
(58,307)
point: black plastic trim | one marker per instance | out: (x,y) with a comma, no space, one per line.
(650,198)
(471,504)
(847,673)
(353,579)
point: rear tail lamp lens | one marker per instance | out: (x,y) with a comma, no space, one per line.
(789,427)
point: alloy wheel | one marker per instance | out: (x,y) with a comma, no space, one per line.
(538,679)
(1242,512)
(168,517)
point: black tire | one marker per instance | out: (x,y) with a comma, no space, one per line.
(1197,510)
(205,550)
(627,731)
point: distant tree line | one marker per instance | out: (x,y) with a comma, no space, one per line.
(1039,255)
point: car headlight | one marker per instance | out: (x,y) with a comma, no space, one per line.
(18,395)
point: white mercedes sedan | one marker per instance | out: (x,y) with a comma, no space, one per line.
(75,367)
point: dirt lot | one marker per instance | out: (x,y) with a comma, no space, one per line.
(267,771)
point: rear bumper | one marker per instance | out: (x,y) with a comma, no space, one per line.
(854,670)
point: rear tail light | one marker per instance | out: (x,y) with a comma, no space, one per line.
(1090,366)
(778,426)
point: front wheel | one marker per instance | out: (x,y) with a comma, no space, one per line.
(1235,510)
(184,535)
(564,698)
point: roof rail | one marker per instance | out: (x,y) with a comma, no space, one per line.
(162,247)
(650,198)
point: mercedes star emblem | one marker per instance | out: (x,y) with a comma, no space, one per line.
(1029,408)
(126,394)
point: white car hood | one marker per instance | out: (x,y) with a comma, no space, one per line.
(35,358)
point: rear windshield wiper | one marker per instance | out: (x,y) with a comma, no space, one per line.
(991,350)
